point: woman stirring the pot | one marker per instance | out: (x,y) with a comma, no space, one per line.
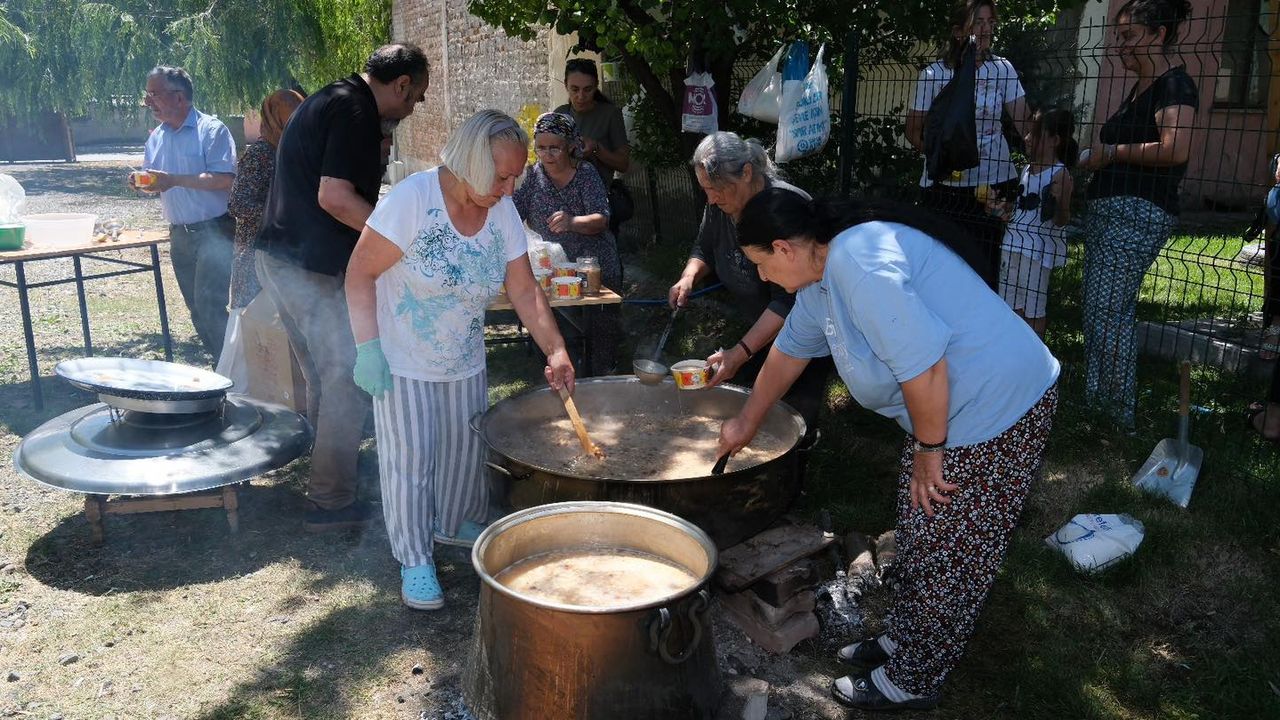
(919,338)
(432,255)
(565,201)
(731,171)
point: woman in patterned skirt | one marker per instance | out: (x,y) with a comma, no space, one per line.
(918,337)
(564,200)
(1138,162)
(432,255)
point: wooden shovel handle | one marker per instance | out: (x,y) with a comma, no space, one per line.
(1184,389)
(587,446)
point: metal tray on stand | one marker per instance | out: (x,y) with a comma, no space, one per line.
(151,386)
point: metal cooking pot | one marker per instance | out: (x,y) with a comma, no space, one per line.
(729,507)
(537,660)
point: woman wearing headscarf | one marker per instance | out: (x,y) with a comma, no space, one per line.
(431,257)
(254,171)
(564,200)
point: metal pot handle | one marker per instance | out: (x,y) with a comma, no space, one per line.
(474,422)
(503,471)
(660,630)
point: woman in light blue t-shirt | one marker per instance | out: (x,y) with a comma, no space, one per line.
(918,337)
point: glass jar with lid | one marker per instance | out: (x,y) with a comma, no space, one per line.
(591,274)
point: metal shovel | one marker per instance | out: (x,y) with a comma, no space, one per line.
(1173,466)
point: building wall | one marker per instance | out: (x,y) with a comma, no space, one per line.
(473,67)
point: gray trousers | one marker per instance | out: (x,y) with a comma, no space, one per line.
(201,256)
(430,462)
(313,309)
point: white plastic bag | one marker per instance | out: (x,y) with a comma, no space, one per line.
(1096,542)
(231,362)
(762,96)
(804,120)
(699,111)
(543,254)
(12,199)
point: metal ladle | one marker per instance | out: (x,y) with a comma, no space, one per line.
(650,371)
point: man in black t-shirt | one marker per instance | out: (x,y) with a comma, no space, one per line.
(328,170)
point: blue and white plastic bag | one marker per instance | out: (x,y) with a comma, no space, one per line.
(1096,542)
(804,118)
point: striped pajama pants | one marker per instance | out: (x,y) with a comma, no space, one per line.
(430,462)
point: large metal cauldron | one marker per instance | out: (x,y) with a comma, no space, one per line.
(730,507)
(540,660)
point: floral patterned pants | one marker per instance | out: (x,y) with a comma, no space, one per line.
(948,563)
(1123,236)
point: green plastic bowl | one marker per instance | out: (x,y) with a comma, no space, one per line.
(11,236)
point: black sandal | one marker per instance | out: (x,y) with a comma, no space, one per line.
(857,691)
(865,653)
(1254,410)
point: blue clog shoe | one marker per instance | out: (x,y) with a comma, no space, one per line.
(468,531)
(419,588)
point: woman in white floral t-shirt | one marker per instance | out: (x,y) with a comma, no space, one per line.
(432,255)
(975,198)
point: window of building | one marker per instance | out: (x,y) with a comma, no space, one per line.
(1245,71)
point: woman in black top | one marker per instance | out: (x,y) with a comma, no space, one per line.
(1138,162)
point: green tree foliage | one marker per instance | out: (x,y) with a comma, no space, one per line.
(658,41)
(62,55)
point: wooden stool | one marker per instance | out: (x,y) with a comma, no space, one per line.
(97,507)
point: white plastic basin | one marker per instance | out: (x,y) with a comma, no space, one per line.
(59,229)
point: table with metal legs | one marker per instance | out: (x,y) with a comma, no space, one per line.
(79,253)
(597,301)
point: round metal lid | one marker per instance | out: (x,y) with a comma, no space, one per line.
(142,379)
(103,450)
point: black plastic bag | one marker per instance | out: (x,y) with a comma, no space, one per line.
(951,126)
(622,206)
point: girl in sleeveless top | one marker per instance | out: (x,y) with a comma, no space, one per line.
(1034,242)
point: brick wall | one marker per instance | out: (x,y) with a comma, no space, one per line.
(473,67)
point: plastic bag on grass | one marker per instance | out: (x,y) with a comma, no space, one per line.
(1096,542)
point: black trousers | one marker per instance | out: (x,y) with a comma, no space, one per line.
(985,230)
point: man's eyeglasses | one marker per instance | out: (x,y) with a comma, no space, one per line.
(555,151)
(153,94)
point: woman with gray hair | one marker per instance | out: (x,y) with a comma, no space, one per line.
(432,255)
(731,171)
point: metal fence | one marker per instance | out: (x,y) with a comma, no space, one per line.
(1130,287)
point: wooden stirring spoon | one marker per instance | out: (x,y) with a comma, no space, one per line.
(587,446)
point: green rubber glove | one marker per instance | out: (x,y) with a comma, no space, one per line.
(372,374)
